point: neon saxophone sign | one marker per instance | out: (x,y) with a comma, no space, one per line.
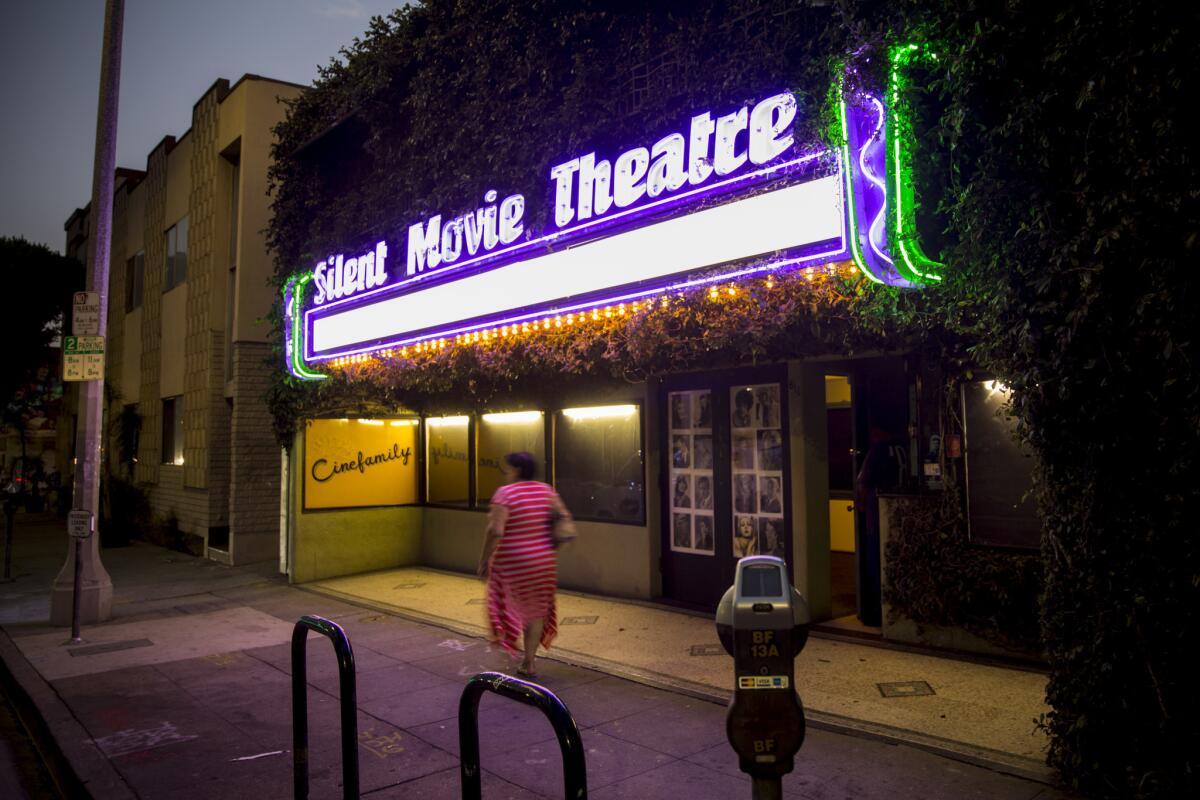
(725,196)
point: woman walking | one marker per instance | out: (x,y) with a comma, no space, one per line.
(519,563)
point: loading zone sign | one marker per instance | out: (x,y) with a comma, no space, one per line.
(83,358)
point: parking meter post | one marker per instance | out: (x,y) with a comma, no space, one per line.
(766,789)
(75,638)
(10,511)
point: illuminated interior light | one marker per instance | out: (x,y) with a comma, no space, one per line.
(732,290)
(404,423)
(446,422)
(599,412)
(376,422)
(512,417)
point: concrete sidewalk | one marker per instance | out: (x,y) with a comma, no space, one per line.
(186,693)
(981,712)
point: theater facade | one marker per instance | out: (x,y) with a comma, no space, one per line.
(673,473)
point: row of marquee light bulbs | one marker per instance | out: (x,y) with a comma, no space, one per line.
(558,321)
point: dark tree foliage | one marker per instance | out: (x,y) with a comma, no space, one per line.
(1058,154)
(39,284)
(1074,204)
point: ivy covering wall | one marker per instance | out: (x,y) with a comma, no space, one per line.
(1060,177)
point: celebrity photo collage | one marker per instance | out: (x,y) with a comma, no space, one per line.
(758,527)
(691,474)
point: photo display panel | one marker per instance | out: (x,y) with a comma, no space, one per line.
(691,474)
(757,456)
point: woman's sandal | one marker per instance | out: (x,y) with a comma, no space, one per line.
(525,673)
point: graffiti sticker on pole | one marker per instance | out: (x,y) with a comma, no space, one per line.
(83,358)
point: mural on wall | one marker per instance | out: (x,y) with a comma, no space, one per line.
(356,463)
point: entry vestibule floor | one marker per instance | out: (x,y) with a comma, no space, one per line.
(981,711)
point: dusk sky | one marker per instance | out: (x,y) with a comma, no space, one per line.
(173,51)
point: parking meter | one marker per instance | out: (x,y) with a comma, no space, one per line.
(762,622)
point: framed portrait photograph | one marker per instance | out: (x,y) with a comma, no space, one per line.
(704,533)
(681,495)
(743,450)
(702,452)
(770,494)
(770,450)
(741,407)
(681,411)
(771,541)
(766,406)
(681,451)
(745,537)
(702,416)
(681,532)
(744,491)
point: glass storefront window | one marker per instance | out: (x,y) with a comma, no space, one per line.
(1001,511)
(448,461)
(499,435)
(598,462)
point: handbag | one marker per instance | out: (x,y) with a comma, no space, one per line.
(562,530)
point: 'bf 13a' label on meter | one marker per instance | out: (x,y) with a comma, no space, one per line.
(763,682)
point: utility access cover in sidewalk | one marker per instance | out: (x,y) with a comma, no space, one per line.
(905,689)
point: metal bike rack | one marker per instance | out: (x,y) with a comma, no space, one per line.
(347,699)
(574,766)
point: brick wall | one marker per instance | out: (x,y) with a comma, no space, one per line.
(254,483)
(150,405)
(199,377)
(169,496)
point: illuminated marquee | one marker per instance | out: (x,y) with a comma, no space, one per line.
(722,197)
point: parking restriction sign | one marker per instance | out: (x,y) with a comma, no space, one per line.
(83,358)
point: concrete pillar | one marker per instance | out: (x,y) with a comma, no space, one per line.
(95,592)
(809,451)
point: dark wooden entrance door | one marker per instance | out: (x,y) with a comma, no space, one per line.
(726,472)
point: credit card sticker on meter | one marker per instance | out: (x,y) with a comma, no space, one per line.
(763,682)
(765,580)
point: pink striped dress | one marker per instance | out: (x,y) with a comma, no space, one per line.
(524,568)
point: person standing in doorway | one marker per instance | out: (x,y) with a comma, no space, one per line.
(518,561)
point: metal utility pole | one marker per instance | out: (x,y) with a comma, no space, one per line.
(82,591)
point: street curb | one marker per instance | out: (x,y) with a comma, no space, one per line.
(995,760)
(79,769)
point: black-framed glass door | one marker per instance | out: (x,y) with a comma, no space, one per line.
(726,475)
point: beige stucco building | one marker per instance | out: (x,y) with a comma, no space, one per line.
(187,344)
